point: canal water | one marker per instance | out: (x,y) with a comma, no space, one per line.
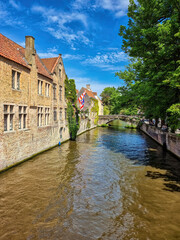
(111,184)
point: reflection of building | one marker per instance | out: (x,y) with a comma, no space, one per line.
(89,104)
(32,101)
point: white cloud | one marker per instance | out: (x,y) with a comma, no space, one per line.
(47,55)
(114,5)
(117,7)
(72,57)
(51,52)
(15,4)
(57,23)
(21,44)
(107,61)
(107,58)
(6,18)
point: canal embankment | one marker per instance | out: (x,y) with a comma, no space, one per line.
(169,141)
(33,149)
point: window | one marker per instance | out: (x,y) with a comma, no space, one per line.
(40,86)
(60,73)
(65,113)
(22,117)
(47,112)
(15,80)
(60,93)
(55,114)
(47,86)
(40,116)
(61,131)
(60,114)
(8,117)
(54,90)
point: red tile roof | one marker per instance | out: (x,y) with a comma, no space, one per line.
(12,51)
(89,93)
(50,63)
(42,68)
(16,53)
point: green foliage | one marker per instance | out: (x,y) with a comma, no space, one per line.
(106,110)
(104,125)
(152,40)
(72,111)
(88,123)
(132,126)
(174,117)
(73,121)
(106,94)
(95,109)
(70,90)
(129,111)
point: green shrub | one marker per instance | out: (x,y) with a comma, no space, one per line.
(173,119)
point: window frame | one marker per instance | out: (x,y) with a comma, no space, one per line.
(40,116)
(15,79)
(47,116)
(8,112)
(40,87)
(22,117)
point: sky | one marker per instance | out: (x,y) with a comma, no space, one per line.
(85,32)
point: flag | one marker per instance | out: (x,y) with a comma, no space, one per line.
(81,100)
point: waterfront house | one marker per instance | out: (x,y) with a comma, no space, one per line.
(91,109)
(32,102)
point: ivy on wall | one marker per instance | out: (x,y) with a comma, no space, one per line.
(72,110)
(95,109)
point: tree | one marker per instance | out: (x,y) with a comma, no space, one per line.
(174,117)
(152,40)
(106,94)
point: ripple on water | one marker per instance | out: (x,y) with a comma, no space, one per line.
(108,185)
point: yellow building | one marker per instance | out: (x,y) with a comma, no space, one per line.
(32,102)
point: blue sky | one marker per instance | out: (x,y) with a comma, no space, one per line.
(85,32)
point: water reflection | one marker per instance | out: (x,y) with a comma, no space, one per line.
(110,184)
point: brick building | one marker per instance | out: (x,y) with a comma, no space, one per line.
(32,102)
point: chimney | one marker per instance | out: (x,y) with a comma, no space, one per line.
(30,50)
(88,87)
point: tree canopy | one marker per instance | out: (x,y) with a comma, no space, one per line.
(106,94)
(152,41)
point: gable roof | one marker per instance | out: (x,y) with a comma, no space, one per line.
(89,93)
(16,53)
(50,63)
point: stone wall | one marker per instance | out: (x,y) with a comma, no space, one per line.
(168,140)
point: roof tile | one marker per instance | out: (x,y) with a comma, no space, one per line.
(16,53)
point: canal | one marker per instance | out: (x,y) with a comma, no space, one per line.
(110,184)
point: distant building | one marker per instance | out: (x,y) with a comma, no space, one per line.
(32,101)
(89,103)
